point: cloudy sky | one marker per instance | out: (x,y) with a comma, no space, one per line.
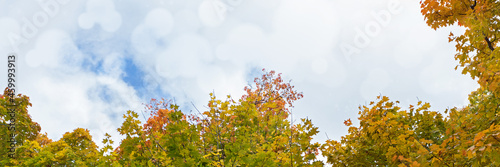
(84,63)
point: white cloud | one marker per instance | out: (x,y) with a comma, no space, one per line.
(189,71)
(100,12)
(9,27)
(327,71)
(54,48)
(66,96)
(375,83)
(244,44)
(186,56)
(186,21)
(212,12)
(319,65)
(301,31)
(414,47)
(150,35)
(222,81)
(440,77)
(64,101)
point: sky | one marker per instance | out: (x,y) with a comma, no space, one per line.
(84,63)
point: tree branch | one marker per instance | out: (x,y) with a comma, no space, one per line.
(490,44)
(473,5)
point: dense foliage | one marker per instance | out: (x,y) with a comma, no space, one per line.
(467,136)
(252,131)
(255,130)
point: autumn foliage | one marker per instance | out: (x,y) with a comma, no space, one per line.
(476,48)
(467,136)
(255,130)
(251,131)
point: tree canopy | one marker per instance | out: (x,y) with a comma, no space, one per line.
(465,136)
(255,129)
